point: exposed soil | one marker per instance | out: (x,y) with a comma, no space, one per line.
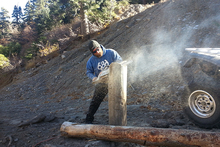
(60,91)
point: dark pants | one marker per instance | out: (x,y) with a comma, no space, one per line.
(101,91)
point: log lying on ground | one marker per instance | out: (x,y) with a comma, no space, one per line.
(143,136)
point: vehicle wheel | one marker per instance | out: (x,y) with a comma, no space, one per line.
(203,105)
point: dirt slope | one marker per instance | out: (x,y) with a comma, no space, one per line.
(154,40)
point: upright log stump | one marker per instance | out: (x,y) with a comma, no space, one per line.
(117,94)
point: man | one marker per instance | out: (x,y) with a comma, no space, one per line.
(100,60)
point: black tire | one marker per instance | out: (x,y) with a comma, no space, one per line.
(202,104)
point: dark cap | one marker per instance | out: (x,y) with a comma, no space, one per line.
(93,44)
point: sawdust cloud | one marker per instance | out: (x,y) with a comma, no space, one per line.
(161,55)
(166,50)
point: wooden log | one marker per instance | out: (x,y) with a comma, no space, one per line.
(142,135)
(117,94)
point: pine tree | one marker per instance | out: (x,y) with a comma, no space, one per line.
(69,9)
(29,13)
(42,19)
(36,14)
(17,15)
(56,13)
(4,23)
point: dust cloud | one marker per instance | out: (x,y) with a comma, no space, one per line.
(163,54)
(166,51)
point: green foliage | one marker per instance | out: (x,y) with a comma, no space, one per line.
(102,12)
(43,39)
(28,13)
(4,62)
(17,15)
(31,52)
(4,23)
(36,14)
(28,56)
(69,9)
(50,13)
(123,2)
(136,1)
(13,48)
(44,15)
(48,49)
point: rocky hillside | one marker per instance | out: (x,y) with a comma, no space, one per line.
(154,40)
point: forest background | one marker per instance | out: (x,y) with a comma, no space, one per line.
(38,30)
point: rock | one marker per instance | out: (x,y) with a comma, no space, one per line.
(16,139)
(98,144)
(180,122)
(37,119)
(160,123)
(73,118)
(63,56)
(49,118)
(15,122)
(49,145)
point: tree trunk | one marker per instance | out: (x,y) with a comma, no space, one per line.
(143,136)
(84,20)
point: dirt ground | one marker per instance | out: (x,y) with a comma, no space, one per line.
(154,40)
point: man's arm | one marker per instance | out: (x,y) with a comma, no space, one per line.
(91,75)
(117,57)
(90,71)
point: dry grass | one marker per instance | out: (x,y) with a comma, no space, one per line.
(6,78)
(48,49)
(37,61)
(64,31)
(30,64)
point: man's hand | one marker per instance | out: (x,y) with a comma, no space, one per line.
(94,79)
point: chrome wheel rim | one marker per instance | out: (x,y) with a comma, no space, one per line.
(202,104)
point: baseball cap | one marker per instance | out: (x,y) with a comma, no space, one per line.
(93,44)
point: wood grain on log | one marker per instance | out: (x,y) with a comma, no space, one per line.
(142,135)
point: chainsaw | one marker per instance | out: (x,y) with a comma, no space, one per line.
(102,77)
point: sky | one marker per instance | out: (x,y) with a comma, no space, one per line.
(9,5)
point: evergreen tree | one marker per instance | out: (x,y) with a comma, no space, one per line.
(102,12)
(29,13)
(43,20)
(45,14)
(36,14)
(69,9)
(17,15)
(56,13)
(4,23)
